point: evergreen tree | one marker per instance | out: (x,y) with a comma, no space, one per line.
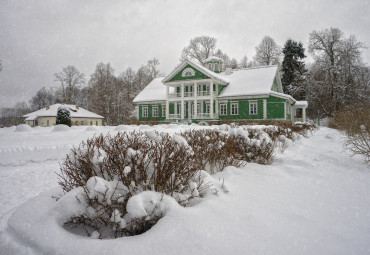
(64,116)
(294,70)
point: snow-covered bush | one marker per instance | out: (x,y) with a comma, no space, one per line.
(63,116)
(213,150)
(355,123)
(253,145)
(113,169)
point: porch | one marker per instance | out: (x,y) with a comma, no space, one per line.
(193,99)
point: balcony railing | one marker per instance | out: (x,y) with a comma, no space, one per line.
(203,116)
(174,116)
(191,94)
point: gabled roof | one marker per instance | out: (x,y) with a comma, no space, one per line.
(53,109)
(154,91)
(251,81)
(204,70)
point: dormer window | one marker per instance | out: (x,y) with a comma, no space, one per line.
(188,72)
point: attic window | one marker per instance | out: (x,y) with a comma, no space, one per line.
(188,72)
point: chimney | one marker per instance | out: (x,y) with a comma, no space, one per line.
(77,107)
(228,71)
(47,107)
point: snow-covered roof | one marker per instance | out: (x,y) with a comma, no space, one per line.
(154,91)
(243,82)
(252,81)
(52,110)
(301,103)
(212,58)
(201,68)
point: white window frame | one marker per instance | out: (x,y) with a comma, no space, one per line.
(233,108)
(155,111)
(145,111)
(221,111)
(163,110)
(251,112)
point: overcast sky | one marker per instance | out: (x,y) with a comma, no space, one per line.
(39,38)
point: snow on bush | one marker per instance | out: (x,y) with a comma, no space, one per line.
(112,169)
(23,128)
(122,185)
(213,150)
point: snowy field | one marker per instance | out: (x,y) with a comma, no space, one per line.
(313,199)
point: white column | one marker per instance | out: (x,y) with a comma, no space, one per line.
(211,100)
(304,114)
(195,91)
(264,109)
(216,100)
(182,102)
(285,111)
(167,102)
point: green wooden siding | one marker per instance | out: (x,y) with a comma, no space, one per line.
(150,111)
(243,108)
(275,107)
(220,88)
(198,75)
(275,86)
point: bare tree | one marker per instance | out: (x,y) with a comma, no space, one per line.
(267,52)
(42,98)
(1,65)
(234,63)
(70,79)
(243,62)
(153,67)
(338,75)
(101,92)
(199,48)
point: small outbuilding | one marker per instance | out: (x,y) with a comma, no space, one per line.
(47,116)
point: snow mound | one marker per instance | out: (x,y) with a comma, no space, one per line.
(91,128)
(144,127)
(23,128)
(61,128)
(122,128)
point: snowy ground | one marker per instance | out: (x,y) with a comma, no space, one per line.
(313,199)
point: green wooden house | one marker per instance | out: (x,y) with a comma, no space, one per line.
(205,93)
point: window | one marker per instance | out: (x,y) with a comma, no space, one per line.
(207,108)
(234,108)
(223,109)
(155,111)
(97,123)
(163,111)
(207,90)
(253,108)
(47,122)
(90,122)
(200,90)
(188,72)
(145,111)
